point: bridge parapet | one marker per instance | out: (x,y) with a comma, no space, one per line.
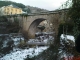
(26,20)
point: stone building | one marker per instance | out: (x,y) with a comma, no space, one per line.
(10,10)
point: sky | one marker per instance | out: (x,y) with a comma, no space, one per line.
(44,4)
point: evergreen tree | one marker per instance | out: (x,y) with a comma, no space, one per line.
(74,13)
(6,3)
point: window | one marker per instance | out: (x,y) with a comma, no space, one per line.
(20,11)
(16,10)
(11,13)
(7,8)
(11,9)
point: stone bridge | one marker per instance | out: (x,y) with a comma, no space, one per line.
(29,22)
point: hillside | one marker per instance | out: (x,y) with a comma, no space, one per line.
(34,9)
(28,9)
(5,3)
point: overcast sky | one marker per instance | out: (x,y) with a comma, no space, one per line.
(45,4)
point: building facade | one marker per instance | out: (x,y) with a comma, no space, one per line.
(10,10)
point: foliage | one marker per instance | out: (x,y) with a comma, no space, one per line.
(10,27)
(16,20)
(74,14)
(66,4)
(66,27)
(27,10)
(5,3)
(22,44)
(13,27)
(7,48)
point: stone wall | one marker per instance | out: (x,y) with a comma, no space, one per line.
(25,21)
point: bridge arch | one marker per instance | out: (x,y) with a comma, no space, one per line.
(33,27)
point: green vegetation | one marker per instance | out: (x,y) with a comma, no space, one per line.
(22,44)
(6,3)
(27,9)
(8,26)
(13,27)
(7,48)
(74,14)
(66,28)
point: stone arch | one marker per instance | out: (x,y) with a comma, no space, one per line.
(33,27)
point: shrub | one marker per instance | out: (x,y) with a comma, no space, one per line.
(22,44)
